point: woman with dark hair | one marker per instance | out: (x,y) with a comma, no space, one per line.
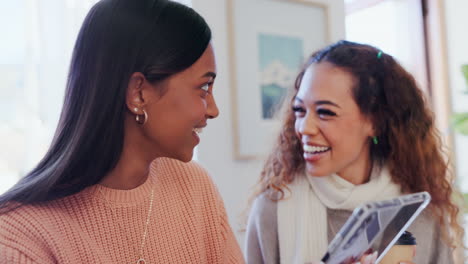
(357,130)
(117,184)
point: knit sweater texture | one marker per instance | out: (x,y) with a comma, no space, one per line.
(102,225)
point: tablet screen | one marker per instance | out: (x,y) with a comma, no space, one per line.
(376,227)
(395,227)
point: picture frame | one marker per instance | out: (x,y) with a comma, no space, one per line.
(269,40)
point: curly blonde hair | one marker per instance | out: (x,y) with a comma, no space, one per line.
(409,143)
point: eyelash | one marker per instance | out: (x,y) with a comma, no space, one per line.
(297,109)
(325,112)
(320,112)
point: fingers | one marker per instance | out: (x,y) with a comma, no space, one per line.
(369,259)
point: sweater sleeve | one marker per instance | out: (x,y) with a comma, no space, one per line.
(442,252)
(229,250)
(233,253)
(261,244)
(9,255)
(23,239)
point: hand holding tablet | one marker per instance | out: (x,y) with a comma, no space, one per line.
(375,227)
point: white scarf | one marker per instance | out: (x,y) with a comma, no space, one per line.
(302,217)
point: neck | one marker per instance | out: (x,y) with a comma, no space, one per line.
(132,169)
(359,173)
(125,177)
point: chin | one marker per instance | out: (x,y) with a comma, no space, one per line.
(184,157)
(188,159)
(316,172)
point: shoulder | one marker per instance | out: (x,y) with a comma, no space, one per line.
(186,176)
(24,217)
(263,211)
(28,229)
(261,238)
(189,171)
(425,223)
(42,218)
(426,228)
(37,217)
(426,216)
(177,167)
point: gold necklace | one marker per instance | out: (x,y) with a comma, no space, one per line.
(140,259)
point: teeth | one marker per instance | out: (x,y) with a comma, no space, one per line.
(197,130)
(308,148)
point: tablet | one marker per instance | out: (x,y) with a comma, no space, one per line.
(376,226)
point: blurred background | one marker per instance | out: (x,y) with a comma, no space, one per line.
(427,36)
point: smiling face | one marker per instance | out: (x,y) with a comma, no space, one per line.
(335,135)
(178,113)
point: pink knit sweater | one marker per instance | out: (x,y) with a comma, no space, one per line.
(188,223)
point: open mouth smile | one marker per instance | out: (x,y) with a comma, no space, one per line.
(315,149)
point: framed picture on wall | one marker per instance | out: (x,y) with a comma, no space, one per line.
(269,41)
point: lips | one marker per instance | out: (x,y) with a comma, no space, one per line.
(196,131)
(314,152)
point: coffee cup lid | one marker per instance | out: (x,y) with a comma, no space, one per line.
(406,239)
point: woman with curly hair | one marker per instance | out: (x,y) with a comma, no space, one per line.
(358,130)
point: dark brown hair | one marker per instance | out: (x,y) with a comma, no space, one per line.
(409,143)
(118,37)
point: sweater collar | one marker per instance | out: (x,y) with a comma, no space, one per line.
(124,197)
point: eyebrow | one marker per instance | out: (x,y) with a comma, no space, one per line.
(320,102)
(210,74)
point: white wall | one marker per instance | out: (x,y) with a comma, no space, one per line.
(234,178)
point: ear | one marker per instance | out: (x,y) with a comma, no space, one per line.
(370,127)
(135,98)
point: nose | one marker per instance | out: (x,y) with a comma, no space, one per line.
(307,125)
(212,110)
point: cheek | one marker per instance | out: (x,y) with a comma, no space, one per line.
(191,114)
(340,137)
(350,140)
(198,108)
(332,136)
(191,108)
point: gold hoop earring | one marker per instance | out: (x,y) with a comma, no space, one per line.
(138,118)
